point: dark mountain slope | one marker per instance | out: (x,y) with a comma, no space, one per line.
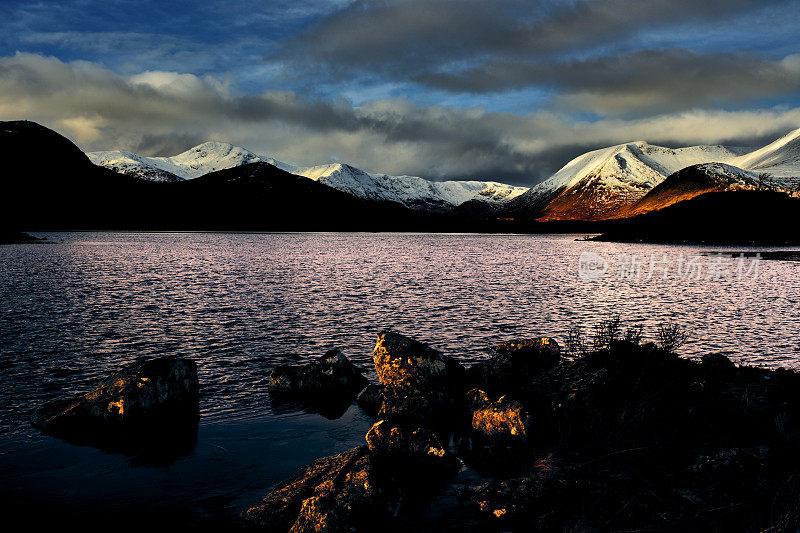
(262,196)
(739,216)
(47,182)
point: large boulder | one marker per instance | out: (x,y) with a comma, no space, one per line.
(330,374)
(418,381)
(335,493)
(513,364)
(145,400)
(503,419)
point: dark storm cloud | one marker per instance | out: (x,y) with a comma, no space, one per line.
(650,80)
(410,37)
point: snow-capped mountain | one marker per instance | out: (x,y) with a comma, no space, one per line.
(599,182)
(411,191)
(193,163)
(781,158)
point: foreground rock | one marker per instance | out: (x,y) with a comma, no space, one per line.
(330,381)
(145,401)
(420,447)
(419,382)
(514,363)
(335,493)
(503,419)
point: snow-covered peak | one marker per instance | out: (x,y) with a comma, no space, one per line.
(411,191)
(601,181)
(780,158)
(638,165)
(193,163)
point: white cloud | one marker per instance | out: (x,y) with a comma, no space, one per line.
(166,112)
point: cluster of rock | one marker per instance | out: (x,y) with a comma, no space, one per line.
(627,437)
(423,402)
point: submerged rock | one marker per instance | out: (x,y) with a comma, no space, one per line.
(332,373)
(146,400)
(335,493)
(504,419)
(418,380)
(514,363)
(371,399)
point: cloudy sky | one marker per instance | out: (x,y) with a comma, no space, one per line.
(507,90)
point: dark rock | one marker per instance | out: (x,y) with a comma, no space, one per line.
(391,440)
(503,419)
(335,493)
(514,363)
(541,500)
(507,500)
(147,400)
(413,456)
(330,374)
(542,352)
(716,362)
(419,382)
(371,399)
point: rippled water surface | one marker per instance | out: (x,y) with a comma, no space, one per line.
(83,304)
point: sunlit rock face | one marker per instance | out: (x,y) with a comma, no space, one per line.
(503,419)
(419,382)
(331,373)
(335,493)
(141,399)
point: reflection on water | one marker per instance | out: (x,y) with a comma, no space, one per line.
(240,304)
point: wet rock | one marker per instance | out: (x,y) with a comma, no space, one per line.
(333,373)
(335,493)
(514,363)
(371,399)
(503,419)
(418,380)
(154,399)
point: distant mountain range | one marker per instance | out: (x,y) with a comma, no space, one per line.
(410,191)
(220,186)
(601,184)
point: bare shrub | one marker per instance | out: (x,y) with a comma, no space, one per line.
(606,332)
(576,343)
(671,336)
(634,334)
